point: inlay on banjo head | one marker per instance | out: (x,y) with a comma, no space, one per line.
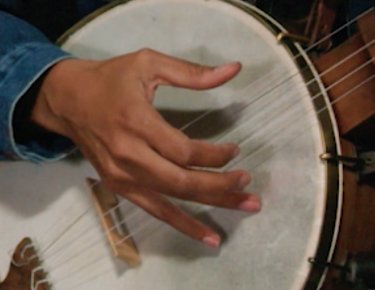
(269,110)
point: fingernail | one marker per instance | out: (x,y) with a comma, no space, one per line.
(236,152)
(212,241)
(234,147)
(250,205)
(226,66)
(243,181)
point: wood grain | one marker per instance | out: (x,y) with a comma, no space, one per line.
(356,111)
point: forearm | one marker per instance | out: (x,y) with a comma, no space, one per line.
(25,56)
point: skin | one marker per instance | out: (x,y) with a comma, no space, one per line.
(105,107)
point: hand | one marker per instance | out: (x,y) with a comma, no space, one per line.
(105,107)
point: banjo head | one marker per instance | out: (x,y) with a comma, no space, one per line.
(268,109)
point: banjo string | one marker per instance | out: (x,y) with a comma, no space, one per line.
(313,79)
(358,68)
(89,229)
(147,224)
(309,83)
(154,223)
(302,130)
(70,226)
(265,76)
(274,118)
(75,222)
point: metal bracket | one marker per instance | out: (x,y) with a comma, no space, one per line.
(295,37)
(363,164)
(369,159)
(353,163)
(358,270)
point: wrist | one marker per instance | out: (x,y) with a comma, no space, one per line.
(59,84)
(30,138)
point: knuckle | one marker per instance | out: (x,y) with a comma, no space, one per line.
(181,182)
(144,55)
(186,186)
(110,176)
(135,118)
(117,151)
(118,148)
(146,51)
(131,123)
(115,146)
(185,155)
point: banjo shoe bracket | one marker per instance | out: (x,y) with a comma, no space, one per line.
(364,163)
(358,271)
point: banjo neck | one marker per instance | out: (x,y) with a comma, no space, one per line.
(356,112)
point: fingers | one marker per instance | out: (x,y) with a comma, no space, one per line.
(158,173)
(161,208)
(146,168)
(164,210)
(204,154)
(175,146)
(132,147)
(181,73)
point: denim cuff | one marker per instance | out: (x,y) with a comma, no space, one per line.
(19,69)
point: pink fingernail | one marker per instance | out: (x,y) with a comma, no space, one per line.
(243,181)
(226,66)
(250,205)
(212,241)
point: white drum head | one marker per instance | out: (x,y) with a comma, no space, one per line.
(278,132)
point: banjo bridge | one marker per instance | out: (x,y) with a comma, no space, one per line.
(26,271)
(113,223)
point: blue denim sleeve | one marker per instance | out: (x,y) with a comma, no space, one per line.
(25,55)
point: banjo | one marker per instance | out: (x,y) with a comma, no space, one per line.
(277,110)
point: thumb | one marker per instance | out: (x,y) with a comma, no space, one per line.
(180,73)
